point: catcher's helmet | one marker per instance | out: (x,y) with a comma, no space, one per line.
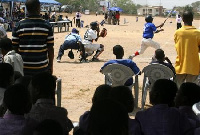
(149,18)
(74,30)
(93,25)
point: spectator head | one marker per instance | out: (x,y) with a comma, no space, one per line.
(33,7)
(160,55)
(24,80)
(5,45)
(163,91)
(42,85)
(123,95)
(108,117)
(48,127)
(102,92)
(187,17)
(118,51)
(74,30)
(6,75)
(188,94)
(17,99)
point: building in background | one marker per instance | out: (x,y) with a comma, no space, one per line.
(151,10)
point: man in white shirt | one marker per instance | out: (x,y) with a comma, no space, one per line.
(179,20)
(78,19)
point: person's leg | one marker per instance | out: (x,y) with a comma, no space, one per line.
(99,51)
(180,78)
(63,47)
(77,22)
(143,47)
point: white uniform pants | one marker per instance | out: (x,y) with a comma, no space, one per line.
(90,48)
(148,43)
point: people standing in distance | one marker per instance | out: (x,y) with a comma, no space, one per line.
(178,21)
(78,19)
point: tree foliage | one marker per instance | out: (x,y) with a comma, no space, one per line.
(93,5)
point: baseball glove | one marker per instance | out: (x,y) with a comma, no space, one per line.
(71,54)
(103,32)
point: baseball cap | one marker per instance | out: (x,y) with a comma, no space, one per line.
(74,30)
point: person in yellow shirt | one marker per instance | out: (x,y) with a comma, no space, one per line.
(187,42)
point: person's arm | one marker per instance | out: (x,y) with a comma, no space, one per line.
(15,38)
(50,49)
(51,57)
(161,25)
(168,61)
(157,31)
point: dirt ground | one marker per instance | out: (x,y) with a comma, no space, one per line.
(79,80)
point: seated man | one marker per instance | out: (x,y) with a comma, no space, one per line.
(42,88)
(118,51)
(160,59)
(91,35)
(162,117)
(72,41)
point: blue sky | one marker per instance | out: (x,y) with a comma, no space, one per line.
(165,3)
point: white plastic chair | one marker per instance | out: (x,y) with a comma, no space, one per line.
(152,73)
(118,74)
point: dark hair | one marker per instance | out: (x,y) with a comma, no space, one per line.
(123,95)
(24,80)
(6,44)
(102,92)
(188,94)
(187,16)
(48,127)
(118,50)
(108,117)
(6,75)
(163,91)
(159,54)
(17,99)
(33,6)
(42,85)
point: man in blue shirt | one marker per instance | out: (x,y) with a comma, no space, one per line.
(118,51)
(72,41)
(148,33)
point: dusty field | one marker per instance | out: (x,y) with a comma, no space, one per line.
(80,80)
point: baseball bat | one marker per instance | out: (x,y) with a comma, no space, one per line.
(169,14)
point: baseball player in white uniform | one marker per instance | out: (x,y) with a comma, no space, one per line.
(91,35)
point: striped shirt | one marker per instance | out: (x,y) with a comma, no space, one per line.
(32,36)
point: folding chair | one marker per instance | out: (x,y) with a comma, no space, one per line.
(59,91)
(118,74)
(152,73)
